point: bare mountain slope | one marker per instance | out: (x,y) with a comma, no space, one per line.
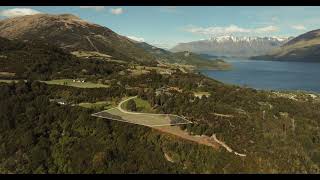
(72,33)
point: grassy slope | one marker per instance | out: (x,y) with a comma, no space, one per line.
(96,105)
(200,62)
(69,82)
(7,81)
(142,105)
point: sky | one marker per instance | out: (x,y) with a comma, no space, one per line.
(166,26)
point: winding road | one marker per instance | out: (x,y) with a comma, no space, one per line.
(125,111)
(129,112)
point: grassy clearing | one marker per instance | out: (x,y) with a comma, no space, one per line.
(141,119)
(94,54)
(69,82)
(142,105)
(7,74)
(89,54)
(138,70)
(97,105)
(7,81)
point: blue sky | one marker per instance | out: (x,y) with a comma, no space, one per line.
(166,26)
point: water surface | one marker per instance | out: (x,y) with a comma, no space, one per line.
(270,75)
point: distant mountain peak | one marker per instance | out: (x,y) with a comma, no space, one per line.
(225,38)
(233,46)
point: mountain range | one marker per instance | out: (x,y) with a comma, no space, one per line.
(233,46)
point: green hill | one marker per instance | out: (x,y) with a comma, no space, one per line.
(184,58)
(305,48)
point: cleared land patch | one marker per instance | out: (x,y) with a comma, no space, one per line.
(95,105)
(7,81)
(161,122)
(7,74)
(145,119)
(69,82)
(175,130)
(142,105)
(89,54)
(95,54)
(138,70)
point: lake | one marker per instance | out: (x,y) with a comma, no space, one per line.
(270,75)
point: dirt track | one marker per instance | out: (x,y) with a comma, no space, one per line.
(175,130)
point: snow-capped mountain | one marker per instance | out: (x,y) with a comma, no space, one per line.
(233,46)
(246,39)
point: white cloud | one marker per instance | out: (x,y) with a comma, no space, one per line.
(298,27)
(18,12)
(216,30)
(116,11)
(234,28)
(139,39)
(97,8)
(231,29)
(267,29)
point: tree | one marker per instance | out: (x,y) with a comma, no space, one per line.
(131,105)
